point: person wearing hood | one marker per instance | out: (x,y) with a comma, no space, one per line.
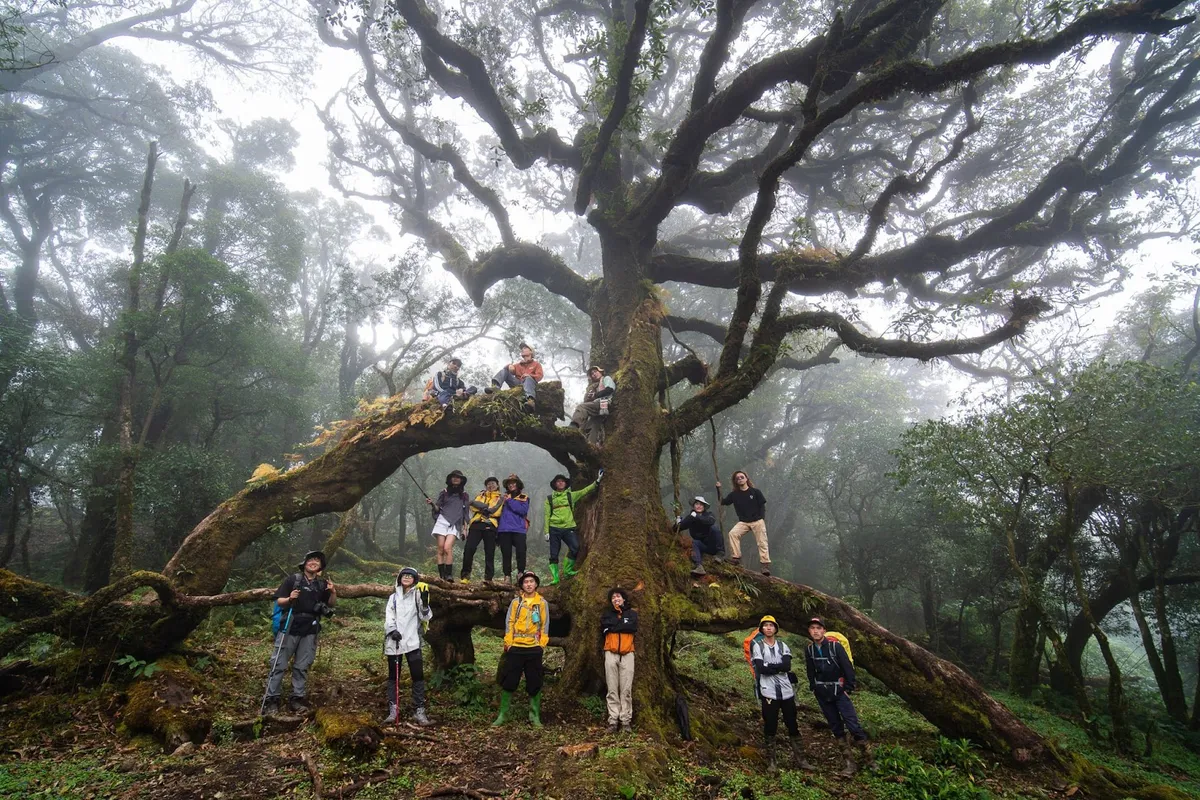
(772,660)
(618,624)
(513,525)
(707,538)
(406,612)
(485,514)
(305,597)
(526,634)
(560,522)
(450,512)
(589,415)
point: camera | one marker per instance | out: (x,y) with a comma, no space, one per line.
(323,610)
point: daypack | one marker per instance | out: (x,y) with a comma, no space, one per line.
(748,642)
(843,641)
(747,645)
(277,616)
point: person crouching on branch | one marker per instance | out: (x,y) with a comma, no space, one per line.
(707,538)
(618,624)
(305,597)
(406,611)
(831,679)
(526,634)
(589,415)
(450,512)
(772,660)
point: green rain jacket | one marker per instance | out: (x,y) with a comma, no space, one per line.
(560,507)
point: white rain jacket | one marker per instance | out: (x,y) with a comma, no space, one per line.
(404,612)
(775,686)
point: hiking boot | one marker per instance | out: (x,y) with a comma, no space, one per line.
(569,567)
(772,767)
(737,562)
(849,768)
(535,710)
(613,727)
(297,705)
(505,702)
(508,579)
(719,558)
(393,715)
(698,570)
(495,387)
(868,758)
(766,571)
(798,755)
(530,404)
(420,717)
(554,574)
(271,707)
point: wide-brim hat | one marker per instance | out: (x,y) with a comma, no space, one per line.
(528,574)
(699,499)
(456,474)
(559,477)
(313,554)
(513,477)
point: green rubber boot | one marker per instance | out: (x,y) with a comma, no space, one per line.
(535,710)
(569,568)
(554,574)
(502,717)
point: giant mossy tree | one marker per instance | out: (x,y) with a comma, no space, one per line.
(928,154)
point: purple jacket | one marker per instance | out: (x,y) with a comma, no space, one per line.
(514,514)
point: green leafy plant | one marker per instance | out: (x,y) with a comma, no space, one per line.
(960,754)
(135,667)
(462,684)
(595,705)
(222,730)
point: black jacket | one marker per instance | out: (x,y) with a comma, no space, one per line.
(304,619)
(703,526)
(829,669)
(625,622)
(750,505)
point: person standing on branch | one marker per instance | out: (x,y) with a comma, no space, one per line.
(305,597)
(485,513)
(707,538)
(751,507)
(449,520)
(406,611)
(831,679)
(446,385)
(597,399)
(772,661)
(513,525)
(525,373)
(560,522)
(618,624)
(526,634)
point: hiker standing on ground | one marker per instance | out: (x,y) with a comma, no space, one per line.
(449,519)
(407,609)
(751,507)
(707,538)
(446,385)
(589,415)
(525,373)
(618,624)
(772,661)
(513,525)
(560,522)
(831,678)
(485,513)
(526,634)
(303,598)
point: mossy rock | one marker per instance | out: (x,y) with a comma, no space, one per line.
(169,705)
(353,734)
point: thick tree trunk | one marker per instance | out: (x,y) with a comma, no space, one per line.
(1023,655)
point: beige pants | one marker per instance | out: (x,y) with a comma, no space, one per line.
(618,674)
(760,536)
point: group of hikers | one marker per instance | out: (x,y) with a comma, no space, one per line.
(445,386)
(307,597)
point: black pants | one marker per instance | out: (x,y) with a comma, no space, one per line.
(770,715)
(416,669)
(510,541)
(480,531)
(518,661)
(840,714)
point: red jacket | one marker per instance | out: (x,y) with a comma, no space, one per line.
(532,369)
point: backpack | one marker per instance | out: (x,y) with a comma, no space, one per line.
(277,616)
(747,646)
(843,641)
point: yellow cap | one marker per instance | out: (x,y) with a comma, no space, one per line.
(765,620)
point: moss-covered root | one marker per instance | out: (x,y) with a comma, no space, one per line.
(353,734)
(1102,783)
(169,705)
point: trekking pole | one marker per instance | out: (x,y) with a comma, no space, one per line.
(274,663)
(414,480)
(397,685)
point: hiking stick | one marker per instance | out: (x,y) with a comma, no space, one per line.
(414,480)
(278,652)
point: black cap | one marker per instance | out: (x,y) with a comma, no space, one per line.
(559,477)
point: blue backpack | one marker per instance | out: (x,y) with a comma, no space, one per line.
(277,611)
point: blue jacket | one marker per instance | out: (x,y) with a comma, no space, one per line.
(514,514)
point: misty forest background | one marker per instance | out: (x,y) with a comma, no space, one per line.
(1022,512)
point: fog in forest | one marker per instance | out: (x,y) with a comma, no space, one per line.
(926,272)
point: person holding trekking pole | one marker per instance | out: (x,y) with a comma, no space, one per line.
(450,512)
(306,597)
(407,610)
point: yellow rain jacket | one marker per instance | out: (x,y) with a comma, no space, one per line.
(528,622)
(491,500)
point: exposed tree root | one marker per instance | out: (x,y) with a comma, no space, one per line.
(310,763)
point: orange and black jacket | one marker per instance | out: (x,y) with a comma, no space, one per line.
(618,630)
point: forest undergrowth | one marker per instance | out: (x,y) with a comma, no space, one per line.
(76,735)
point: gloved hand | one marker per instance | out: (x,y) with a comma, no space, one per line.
(422,587)
(395,636)
(600,475)
(547,536)
(678,520)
